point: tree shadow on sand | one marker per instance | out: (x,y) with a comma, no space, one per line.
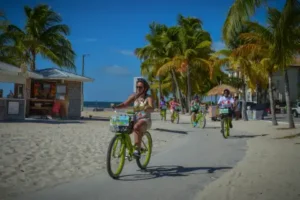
(245,136)
(170,131)
(44,121)
(104,119)
(170,171)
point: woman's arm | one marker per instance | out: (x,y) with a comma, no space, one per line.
(126,103)
(149,107)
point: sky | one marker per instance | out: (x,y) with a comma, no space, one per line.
(109,31)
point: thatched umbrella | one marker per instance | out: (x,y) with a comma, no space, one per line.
(218,90)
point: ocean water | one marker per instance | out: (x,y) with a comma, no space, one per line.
(99,104)
(106,104)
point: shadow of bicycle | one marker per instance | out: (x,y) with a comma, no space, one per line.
(169,171)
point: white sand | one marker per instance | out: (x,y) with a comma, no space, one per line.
(38,155)
(269,171)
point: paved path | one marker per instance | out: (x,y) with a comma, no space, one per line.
(282,118)
(179,171)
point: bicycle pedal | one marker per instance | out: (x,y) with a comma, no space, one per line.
(128,158)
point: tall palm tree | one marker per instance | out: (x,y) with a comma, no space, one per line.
(162,42)
(190,50)
(260,46)
(195,48)
(240,11)
(286,37)
(287,45)
(43,34)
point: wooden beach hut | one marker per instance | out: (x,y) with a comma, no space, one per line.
(43,93)
(13,107)
(57,93)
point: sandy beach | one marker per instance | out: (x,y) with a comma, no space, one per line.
(36,155)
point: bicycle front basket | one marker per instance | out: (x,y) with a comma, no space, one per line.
(178,108)
(224,111)
(120,124)
(164,107)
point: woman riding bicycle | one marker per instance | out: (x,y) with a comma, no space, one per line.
(162,103)
(143,106)
(173,104)
(195,108)
(163,106)
(226,101)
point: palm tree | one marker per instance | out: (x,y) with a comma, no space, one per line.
(287,44)
(286,35)
(160,50)
(43,34)
(240,11)
(190,50)
(259,46)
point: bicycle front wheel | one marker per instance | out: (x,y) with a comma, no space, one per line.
(224,127)
(202,121)
(177,118)
(115,153)
(146,151)
(227,128)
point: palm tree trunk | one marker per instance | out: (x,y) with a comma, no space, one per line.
(189,87)
(178,90)
(186,97)
(287,99)
(33,62)
(160,90)
(272,105)
(173,85)
(244,109)
(258,94)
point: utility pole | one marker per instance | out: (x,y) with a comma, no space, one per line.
(82,73)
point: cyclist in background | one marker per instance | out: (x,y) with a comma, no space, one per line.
(162,102)
(163,105)
(195,108)
(226,101)
(173,103)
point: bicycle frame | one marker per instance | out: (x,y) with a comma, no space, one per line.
(163,113)
(225,121)
(199,116)
(126,140)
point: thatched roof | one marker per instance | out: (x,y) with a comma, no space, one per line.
(218,90)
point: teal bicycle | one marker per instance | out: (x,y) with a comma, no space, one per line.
(121,147)
(200,118)
(225,121)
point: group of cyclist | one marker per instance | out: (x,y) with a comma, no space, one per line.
(225,101)
(143,106)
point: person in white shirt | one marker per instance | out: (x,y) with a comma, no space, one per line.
(226,101)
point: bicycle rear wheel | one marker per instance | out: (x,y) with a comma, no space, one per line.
(113,152)
(146,151)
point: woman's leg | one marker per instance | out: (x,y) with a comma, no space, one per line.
(172,112)
(139,129)
(193,116)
